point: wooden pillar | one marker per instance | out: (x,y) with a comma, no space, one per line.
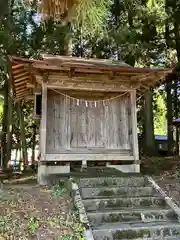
(43,122)
(42,169)
(134,130)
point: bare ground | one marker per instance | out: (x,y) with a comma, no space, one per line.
(166,173)
(170,183)
(30,212)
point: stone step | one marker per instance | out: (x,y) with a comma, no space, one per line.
(131,216)
(121,203)
(157,238)
(118,191)
(161,230)
(112,181)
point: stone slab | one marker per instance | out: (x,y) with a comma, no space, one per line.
(134,231)
(121,203)
(118,191)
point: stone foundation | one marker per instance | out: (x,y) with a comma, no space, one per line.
(133,168)
(44,171)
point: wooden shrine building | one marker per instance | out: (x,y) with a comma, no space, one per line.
(88,111)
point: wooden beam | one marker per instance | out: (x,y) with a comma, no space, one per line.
(18,76)
(21,90)
(17,71)
(86,86)
(21,96)
(24,60)
(17,66)
(86,77)
(85,95)
(29,97)
(20,84)
(90,156)
(89,66)
(29,85)
(90,87)
(22,79)
(39,66)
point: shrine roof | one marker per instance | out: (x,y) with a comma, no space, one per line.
(81,74)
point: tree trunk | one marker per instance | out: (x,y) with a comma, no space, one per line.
(169,83)
(177,40)
(7,111)
(9,130)
(169,115)
(150,147)
(33,144)
(5,126)
(176,113)
(10,110)
(68,41)
(15,160)
(23,136)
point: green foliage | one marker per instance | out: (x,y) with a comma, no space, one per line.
(67,238)
(91,15)
(59,190)
(33,225)
(5,223)
(160,123)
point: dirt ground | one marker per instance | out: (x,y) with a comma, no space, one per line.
(166,172)
(170,183)
(30,212)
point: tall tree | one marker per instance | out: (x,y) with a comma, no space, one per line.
(7,121)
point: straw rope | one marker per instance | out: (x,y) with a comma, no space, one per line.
(90,101)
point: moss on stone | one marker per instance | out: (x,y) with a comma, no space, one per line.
(131,234)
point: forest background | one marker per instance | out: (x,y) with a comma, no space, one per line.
(143,33)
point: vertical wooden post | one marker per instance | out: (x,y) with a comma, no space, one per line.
(43,121)
(134,127)
(68,122)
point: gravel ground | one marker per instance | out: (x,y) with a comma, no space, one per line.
(30,212)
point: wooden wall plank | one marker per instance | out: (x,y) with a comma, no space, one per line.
(61,122)
(134,126)
(50,125)
(99,116)
(74,129)
(91,127)
(68,122)
(72,125)
(81,125)
(125,125)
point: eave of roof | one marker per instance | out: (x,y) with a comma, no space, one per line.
(25,70)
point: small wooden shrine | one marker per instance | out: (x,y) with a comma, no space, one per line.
(88,112)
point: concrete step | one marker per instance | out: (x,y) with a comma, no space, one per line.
(121,203)
(112,181)
(161,230)
(131,216)
(118,191)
